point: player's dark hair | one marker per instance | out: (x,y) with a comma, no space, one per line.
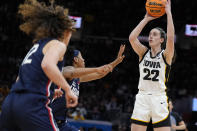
(171,100)
(69,56)
(44,21)
(163,44)
(163,35)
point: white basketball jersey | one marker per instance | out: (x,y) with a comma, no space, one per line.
(154,73)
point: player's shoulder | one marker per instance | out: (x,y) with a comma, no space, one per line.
(56,42)
(146,54)
(57,45)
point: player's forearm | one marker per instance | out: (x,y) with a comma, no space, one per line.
(97,76)
(170,32)
(55,75)
(136,32)
(181,127)
(91,77)
(78,72)
(115,63)
(83,71)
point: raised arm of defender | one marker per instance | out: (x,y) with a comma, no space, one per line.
(89,74)
(111,66)
(72,72)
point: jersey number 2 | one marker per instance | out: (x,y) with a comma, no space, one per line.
(33,50)
(154,72)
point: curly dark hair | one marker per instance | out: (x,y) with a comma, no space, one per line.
(44,21)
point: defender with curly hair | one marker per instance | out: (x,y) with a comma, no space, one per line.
(26,108)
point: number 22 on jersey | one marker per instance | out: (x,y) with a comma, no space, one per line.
(148,74)
(27,60)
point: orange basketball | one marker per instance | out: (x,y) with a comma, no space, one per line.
(155,8)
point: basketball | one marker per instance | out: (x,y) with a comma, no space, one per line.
(155,8)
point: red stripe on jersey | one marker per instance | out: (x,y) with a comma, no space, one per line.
(48,108)
(48,88)
(51,116)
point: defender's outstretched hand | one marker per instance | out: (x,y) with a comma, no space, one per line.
(120,56)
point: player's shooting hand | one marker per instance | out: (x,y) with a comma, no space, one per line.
(120,56)
(168,6)
(58,93)
(149,17)
(71,99)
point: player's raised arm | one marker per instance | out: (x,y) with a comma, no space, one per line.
(72,72)
(136,45)
(169,51)
(104,70)
(119,58)
(108,68)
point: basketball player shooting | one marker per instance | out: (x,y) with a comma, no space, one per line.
(154,65)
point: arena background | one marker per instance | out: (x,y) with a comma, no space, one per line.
(105,25)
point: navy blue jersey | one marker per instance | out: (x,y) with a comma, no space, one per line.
(31,76)
(59,105)
(27,106)
(74,84)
